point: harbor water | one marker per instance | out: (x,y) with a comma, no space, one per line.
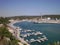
(51,31)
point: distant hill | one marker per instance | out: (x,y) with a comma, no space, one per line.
(52,16)
(31,17)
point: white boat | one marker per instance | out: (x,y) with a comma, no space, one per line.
(27,40)
(37,33)
(28,34)
(39,37)
(28,30)
(42,39)
(38,40)
(32,40)
(25,35)
(33,33)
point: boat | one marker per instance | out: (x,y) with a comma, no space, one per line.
(32,40)
(38,40)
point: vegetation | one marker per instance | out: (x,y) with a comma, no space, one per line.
(4,33)
(52,16)
(55,43)
(6,38)
(4,20)
(31,17)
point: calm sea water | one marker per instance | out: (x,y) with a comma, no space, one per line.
(52,31)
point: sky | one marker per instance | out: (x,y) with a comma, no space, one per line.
(29,7)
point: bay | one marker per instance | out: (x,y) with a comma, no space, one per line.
(52,31)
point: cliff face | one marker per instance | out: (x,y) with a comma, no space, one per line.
(5,41)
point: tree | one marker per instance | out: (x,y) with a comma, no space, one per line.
(4,21)
(4,32)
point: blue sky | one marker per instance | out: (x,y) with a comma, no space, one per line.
(29,7)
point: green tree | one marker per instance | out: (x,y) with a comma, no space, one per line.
(4,21)
(4,32)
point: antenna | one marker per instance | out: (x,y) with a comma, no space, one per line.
(41,15)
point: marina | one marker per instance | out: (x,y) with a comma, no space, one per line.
(27,34)
(30,35)
(35,35)
(29,22)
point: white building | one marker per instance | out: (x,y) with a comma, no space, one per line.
(48,18)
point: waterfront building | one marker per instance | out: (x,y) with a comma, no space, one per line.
(48,18)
